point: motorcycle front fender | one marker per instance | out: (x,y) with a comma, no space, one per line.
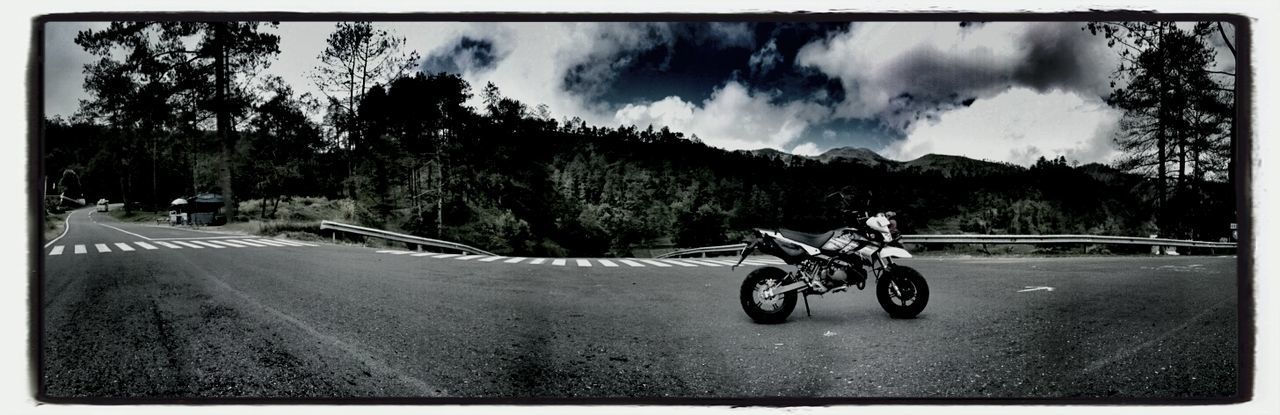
(894,252)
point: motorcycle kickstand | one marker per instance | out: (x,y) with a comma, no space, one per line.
(806,306)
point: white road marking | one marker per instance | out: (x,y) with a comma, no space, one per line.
(230,244)
(683,264)
(57,250)
(102,248)
(584,263)
(492,258)
(145,245)
(208,244)
(515,260)
(80,249)
(167,245)
(422,254)
(444,255)
(124,247)
(702,262)
(188,244)
(199,237)
(606,263)
(289,243)
(654,263)
(559,262)
(470,257)
(248,242)
(1034,288)
(538,261)
(270,242)
(66,227)
(720,261)
(630,262)
(122,230)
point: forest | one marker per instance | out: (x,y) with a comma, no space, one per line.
(171,118)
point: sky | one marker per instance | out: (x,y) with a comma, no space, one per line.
(1000,91)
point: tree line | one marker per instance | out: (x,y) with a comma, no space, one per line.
(411,155)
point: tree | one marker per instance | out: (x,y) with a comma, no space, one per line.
(281,146)
(161,61)
(357,56)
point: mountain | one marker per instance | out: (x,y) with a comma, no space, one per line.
(858,155)
(952,166)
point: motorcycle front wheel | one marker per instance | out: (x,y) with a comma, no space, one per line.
(756,301)
(902,292)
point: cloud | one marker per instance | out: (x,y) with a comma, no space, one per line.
(733,118)
(905,72)
(765,59)
(467,55)
(806,149)
(1018,125)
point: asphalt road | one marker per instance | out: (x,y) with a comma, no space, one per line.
(290,320)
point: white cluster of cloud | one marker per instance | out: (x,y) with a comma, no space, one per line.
(733,118)
(765,59)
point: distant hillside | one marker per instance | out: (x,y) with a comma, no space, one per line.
(952,166)
(858,155)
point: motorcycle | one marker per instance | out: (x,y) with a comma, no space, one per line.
(831,262)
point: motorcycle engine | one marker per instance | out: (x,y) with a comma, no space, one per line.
(837,273)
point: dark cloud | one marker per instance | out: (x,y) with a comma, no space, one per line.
(1061,56)
(468,54)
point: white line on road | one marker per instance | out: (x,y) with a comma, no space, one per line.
(654,263)
(124,247)
(268,242)
(102,248)
(443,255)
(295,243)
(57,250)
(584,263)
(559,262)
(188,244)
(720,261)
(538,261)
(121,230)
(683,264)
(515,260)
(230,244)
(492,258)
(199,237)
(248,242)
(606,263)
(145,245)
(422,254)
(470,257)
(80,249)
(208,244)
(704,262)
(630,262)
(167,245)
(66,227)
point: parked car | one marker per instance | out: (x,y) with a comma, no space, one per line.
(102,205)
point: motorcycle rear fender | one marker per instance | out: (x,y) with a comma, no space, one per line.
(894,252)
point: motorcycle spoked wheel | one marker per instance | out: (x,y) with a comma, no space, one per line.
(910,296)
(766,310)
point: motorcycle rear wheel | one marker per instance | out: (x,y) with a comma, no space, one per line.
(910,297)
(764,310)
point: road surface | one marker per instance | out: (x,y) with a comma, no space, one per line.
(143,311)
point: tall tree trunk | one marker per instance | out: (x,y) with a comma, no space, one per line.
(222,37)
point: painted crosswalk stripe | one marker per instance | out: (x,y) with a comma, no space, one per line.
(270,242)
(203,243)
(654,263)
(630,262)
(80,249)
(188,244)
(491,259)
(422,254)
(102,248)
(286,243)
(584,263)
(470,257)
(606,263)
(145,245)
(394,252)
(57,250)
(704,263)
(559,262)
(680,263)
(537,261)
(754,262)
(447,255)
(248,242)
(515,260)
(168,245)
(230,244)
(124,247)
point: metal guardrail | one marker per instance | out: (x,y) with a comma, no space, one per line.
(409,239)
(994,240)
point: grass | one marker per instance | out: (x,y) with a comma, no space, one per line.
(54,223)
(295,217)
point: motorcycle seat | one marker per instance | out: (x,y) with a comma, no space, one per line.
(815,240)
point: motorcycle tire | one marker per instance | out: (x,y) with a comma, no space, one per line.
(912,294)
(761,310)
